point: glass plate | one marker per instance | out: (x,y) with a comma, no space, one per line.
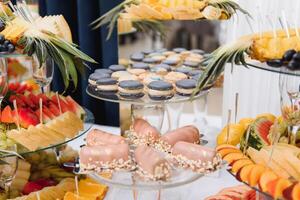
(127,180)
(279,70)
(88,123)
(116,98)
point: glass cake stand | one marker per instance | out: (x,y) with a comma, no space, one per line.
(154,111)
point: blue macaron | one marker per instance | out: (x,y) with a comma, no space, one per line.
(184,70)
(195,72)
(179,50)
(160,90)
(191,64)
(186,87)
(140,65)
(158,67)
(131,89)
(137,57)
(103,71)
(93,78)
(116,68)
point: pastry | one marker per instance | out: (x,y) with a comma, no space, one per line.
(140,65)
(103,71)
(116,68)
(149,60)
(93,78)
(183,69)
(97,138)
(118,74)
(161,69)
(172,60)
(185,87)
(128,77)
(172,77)
(196,157)
(143,132)
(151,77)
(192,64)
(198,51)
(195,72)
(160,90)
(151,164)
(187,134)
(106,157)
(131,89)
(179,50)
(107,85)
(136,72)
(137,57)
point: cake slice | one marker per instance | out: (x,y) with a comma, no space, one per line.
(104,157)
(151,164)
(195,157)
(188,134)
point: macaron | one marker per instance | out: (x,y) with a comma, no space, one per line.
(198,51)
(183,69)
(137,57)
(107,85)
(161,69)
(151,77)
(173,61)
(191,64)
(131,89)
(168,53)
(128,77)
(136,72)
(103,71)
(172,77)
(155,54)
(160,90)
(140,65)
(118,74)
(149,60)
(179,50)
(195,72)
(158,59)
(93,78)
(147,52)
(185,87)
(196,77)
(116,68)
(161,50)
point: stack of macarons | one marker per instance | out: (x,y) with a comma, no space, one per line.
(160,74)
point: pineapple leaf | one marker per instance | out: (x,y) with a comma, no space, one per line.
(233,52)
(228,6)
(150,25)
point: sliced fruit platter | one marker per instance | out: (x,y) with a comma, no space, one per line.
(36,121)
(147,14)
(277,48)
(263,160)
(42,174)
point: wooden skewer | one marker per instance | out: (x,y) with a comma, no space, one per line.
(58,102)
(18,118)
(285,23)
(38,195)
(41,110)
(228,125)
(273,26)
(76,185)
(236,106)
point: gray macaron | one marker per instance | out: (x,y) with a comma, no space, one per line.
(116,68)
(131,86)
(140,65)
(137,57)
(160,86)
(103,71)
(186,85)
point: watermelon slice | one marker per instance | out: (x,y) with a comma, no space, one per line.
(262,128)
(64,106)
(45,119)
(79,111)
(54,109)
(7,115)
(34,99)
(27,117)
(48,112)
(44,98)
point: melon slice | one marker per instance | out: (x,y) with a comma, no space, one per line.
(231,157)
(255,174)
(225,146)
(276,187)
(265,178)
(238,164)
(292,192)
(224,152)
(243,174)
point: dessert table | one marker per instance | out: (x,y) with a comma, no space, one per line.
(199,189)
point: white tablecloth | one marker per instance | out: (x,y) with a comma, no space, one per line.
(198,190)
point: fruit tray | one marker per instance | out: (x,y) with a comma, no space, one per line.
(116,98)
